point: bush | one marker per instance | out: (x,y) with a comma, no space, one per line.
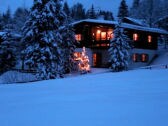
(16,77)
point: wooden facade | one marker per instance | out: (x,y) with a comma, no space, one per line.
(96,35)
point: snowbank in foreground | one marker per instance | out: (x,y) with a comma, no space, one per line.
(132,98)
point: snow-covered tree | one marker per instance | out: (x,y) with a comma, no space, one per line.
(7,53)
(7,20)
(68,47)
(108,15)
(134,8)
(20,17)
(123,10)
(67,9)
(149,10)
(91,13)
(41,33)
(1,22)
(119,50)
(84,65)
(78,12)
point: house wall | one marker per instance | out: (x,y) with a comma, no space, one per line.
(151,54)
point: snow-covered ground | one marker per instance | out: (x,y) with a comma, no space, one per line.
(132,98)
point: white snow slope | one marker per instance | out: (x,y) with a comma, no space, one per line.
(133,98)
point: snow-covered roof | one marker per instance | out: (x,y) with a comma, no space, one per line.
(124,25)
(135,21)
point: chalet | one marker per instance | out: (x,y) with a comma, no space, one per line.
(95,35)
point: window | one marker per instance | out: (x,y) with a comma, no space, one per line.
(144,57)
(98,33)
(94,59)
(149,38)
(140,57)
(103,35)
(135,36)
(135,57)
(78,37)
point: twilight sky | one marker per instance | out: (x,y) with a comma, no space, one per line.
(111,5)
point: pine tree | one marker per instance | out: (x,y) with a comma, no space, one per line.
(134,8)
(41,33)
(20,17)
(7,53)
(66,9)
(119,50)
(123,10)
(7,20)
(91,14)
(68,47)
(78,12)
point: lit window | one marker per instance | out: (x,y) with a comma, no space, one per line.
(98,33)
(103,35)
(149,38)
(135,57)
(144,57)
(135,37)
(78,37)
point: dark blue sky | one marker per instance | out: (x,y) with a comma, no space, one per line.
(111,5)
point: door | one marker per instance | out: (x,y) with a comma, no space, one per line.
(97,60)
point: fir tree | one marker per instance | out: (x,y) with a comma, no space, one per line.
(68,46)
(123,10)
(78,12)
(20,17)
(1,22)
(7,53)
(7,20)
(91,13)
(84,66)
(66,9)
(41,33)
(119,50)
(134,8)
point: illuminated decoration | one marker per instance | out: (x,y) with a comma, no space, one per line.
(84,66)
(149,38)
(135,37)
(77,56)
(78,37)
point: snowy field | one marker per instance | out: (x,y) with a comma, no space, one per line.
(132,98)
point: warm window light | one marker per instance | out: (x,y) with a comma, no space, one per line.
(149,38)
(135,57)
(103,35)
(144,57)
(78,37)
(98,31)
(135,37)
